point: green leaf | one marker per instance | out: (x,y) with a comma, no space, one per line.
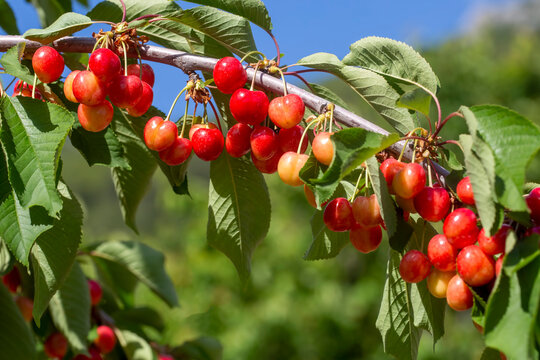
(143,262)
(313,169)
(326,243)
(399,240)
(49,10)
(70,309)
(490,354)
(16,338)
(65,25)
(120,280)
(8,22)
(137,317)
(54,252)
(329,95)
(6,260)
(238,210)
(202,348)
(11,61)
(135,347)
(33,133)
(380,188)
(428,310)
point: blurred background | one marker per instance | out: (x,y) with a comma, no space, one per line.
(482,51)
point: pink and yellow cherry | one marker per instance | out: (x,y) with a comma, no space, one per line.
(105,64)
(48,64)
(365,239)
(406,204)
(144,103)
(437,282)
(432,203)
(475,267)
(125,91)
(289,139)
(289,167)
(264,142)
(208,144)
(159,134)
(323,148)
(338,215)
(464,191)
(87,89)
(495,244)
(55,345)
(95,118)
(533,203)
(409,181)
(249,107)
(237,142)
(106,340)
(310,196)
(366,211)
(177,153)
(414,266)
(229,75)
(68,86)
(286,111)
(460,228)
(390,167)
(269,166)
(458,295)
(196,127)
(96,292)
(12,280)
(147,75)
(26,306)
(441,253)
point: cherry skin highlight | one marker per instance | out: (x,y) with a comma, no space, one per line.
(365,239)
(366,211)
(48,64)
(464,191)
(95,118)
(125,91)
(147,73)
(96,292)
(264,143)
(229,75)
(460,228)
(286,111)
(338,215)
(144,103)
(441,253)
(432,203)
(409,181)
(196,127)
(414,266)
(159,134)
(87,89)
(237,142)
(437,282)
(289,139)
(208,144)
(390,167)
(177,153)
(56,345)
(269,166)
(105,341)
(458,295)
(105,64)
(323,148)
(249,107)
(289,167)
(493,245)
(475,267)
(533,203)
(68,86)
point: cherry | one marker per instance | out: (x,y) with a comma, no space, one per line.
(475,267)
(147,73)
(365,239)
(196,127)
(23,89)
(264,143)
(87,89)
(310,196)
(94,355)
(144,103)
(437,282)
(498,265)
(159,134)
(177,153)
(208,144)
(289,139)
(406,204)
(286,111)
(249,107)
(409,181)
(441,253)
(26,306)
(12,280)
(464,191)
(96,292)
(48,64)
(95,118)
(366,211)
(269,166)
(105,340)
(493,245)
(460,228)
(390,167)
(56,345)
(289,167)
(338,215)
(414,266)
(237,142)
(125,91)
(229,75)
(432,203)
(533,203)
(458,295)
(165,357)
(68,86)
(105,64)
(323,148)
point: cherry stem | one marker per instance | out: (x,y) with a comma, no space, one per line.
(413,138)
(251,53)
(353,195)
(304,135)
(174,103)
(367,179)
(157,19)
(9,85)
(414,151)
(331,106)
(254,76)
(217,117)
(278,57)
(301,78)
(430,180)
(440,126)
(2,92)
(99,41)
(450,142)
(123,10)
(403,150)
(145,17)
(125,58)
(435,171)
(103,22)
(283,80)
(185,118)
(34,86)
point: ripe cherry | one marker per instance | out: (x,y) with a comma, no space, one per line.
(323,148)
(437,282)
(95,118)
(460,228)
(25,306)
(338,215)
(464,191)
(264,143)
(208,144)
(147,73)
(365,239)
(12,280)
(177,153)
(68,86)
(144,103)
(475,267)
(498,265)
(409,181)
(406,204)
(441,253)
(310,196)
(105,64)
(94,355)
(196,127)
(458,295)
(229,75)
(87,89)
(96,292)
(493,245)
(237,142)
(269,166)
(366,211)
(289,139)
(414,266)
(23,89)
(289,167)
(105,340)
(125,91)
(56,345)
(390,167)
(249,107)
(533,202)
(432,203)
(165,357)
(48,64)
(159,134)
(286,111)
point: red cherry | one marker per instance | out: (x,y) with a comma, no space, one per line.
(458,295)
(95,118)
(338,215)
(498,265)
(87,89)
(493,245)
(460,228)
(144,103)
(414,266)
(125,91)
(196,127)
(475,267)
(264,143)
(177,153)
(432,203)
(365,239)
(390,167)
(23,89)
(25,306)
(406,204)
(208,144)
(48,64)
(237,142)
(105,64)
(249,107)
(159,134)
(269,166)
(533,202)
(441,253)
(286,111)
(409,181)
(323,148)
(289,139)
(56,345)
(94,355)
(165,357)
(12,280)
(464,191)
(68,86)
(96,292)
(366,211)
(289,167)
(229,75)
(437,282)
(147,73)
(105,340)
